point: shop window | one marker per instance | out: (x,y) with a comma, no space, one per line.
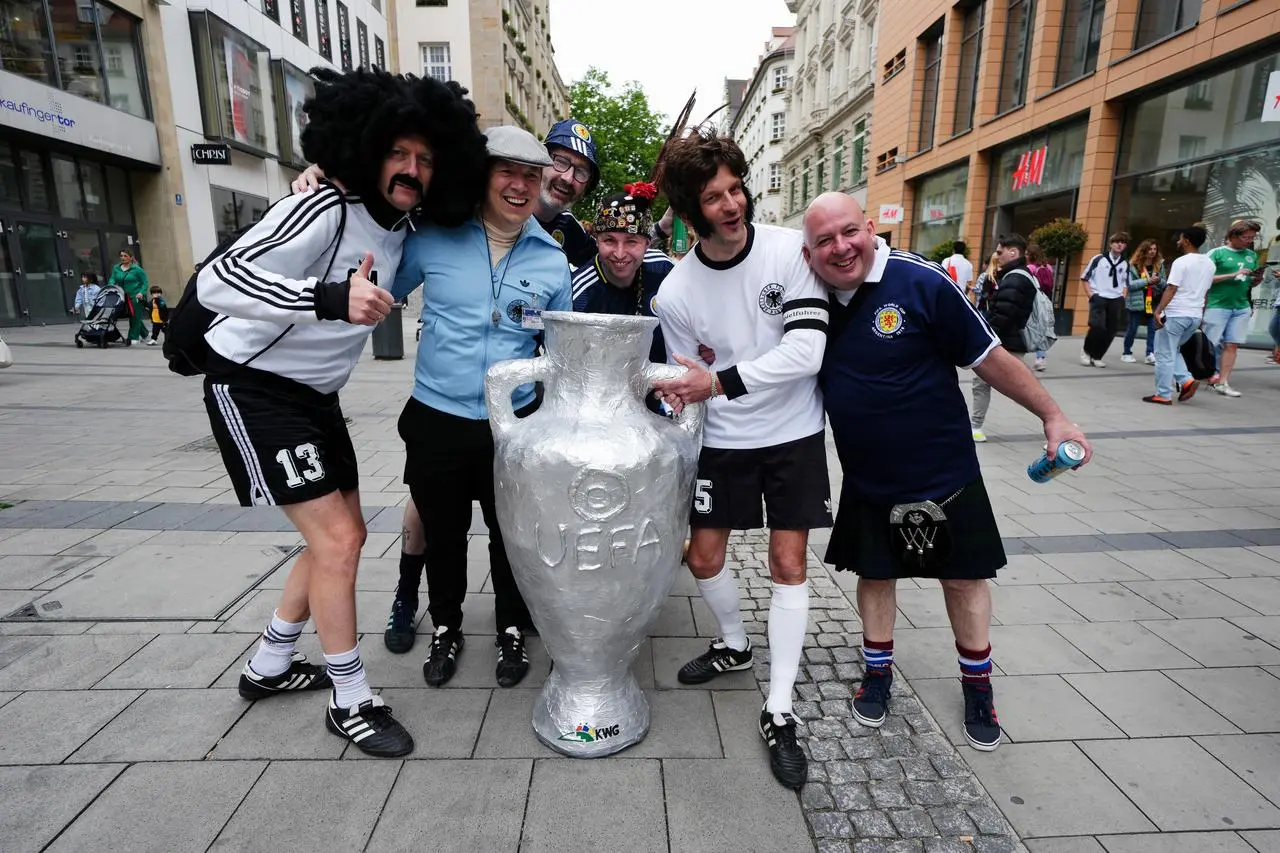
(118,195)
(94,190)
(25,47)
(931,56)
(234,210)
(1081,33)
(939,208)
(436,62)
(344,36)
(298,19)
(35,182)
(234,75)
(293,87)
(970,61)
(271,8)
(1160,18)
(1017,53)
(66,186)
(323,39)
(75,40)
(362,43)
(8,178)
(122,47)
(380,53)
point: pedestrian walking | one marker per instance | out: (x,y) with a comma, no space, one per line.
(1140,298)
(1178,315)
(1108,277)
(159,314)
(86,294)
(1007,311)
(1230,305)
(132,279)
(1043,271)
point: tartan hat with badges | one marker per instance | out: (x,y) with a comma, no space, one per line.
(628,212)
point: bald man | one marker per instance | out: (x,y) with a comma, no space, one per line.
(899,327)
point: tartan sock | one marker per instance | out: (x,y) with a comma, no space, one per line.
(877,655)
(975,665)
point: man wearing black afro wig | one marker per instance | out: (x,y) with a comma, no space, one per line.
(298,295)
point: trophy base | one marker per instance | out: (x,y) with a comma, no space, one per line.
(590,718)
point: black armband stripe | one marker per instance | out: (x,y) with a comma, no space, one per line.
(731,383)
(816,325)
(808,302)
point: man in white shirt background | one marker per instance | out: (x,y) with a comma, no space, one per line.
(1108,276)
(959,268)
(1178,316)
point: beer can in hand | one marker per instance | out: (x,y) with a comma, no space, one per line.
(1069,455)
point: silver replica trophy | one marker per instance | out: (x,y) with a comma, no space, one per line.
(593,494)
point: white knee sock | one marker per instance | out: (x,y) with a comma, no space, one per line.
(350,685)
(788,618)
(722,597)
(276,649)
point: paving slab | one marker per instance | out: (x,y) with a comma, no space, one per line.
(1189,599)
(1028,569)
(140,584)
(165,725)
(1105,602)
(177,660)
(1117,646)
(1029,605)
(343,802)
(1247,696)
(1178,842)
(45,726)
(445,723)
(12,648)
(123,511)
(584,807)
(1078,844)
(1234,562)
(1254,758)
(40,801)
(1263,841)
(1094,567)
(70,663)
(41,542)
(507,729)
(1153,773)
(1216,642)
(28,572)
(1029,782)
(289,727)
(1149,704)
(1258,593)
(764,817)
(1032,650)
(140,810)
(738,719)
(474,806)
(1031,708)
(682,724)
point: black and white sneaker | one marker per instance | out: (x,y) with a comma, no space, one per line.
(442,660)
(786,759)
(399,635)
(370,727)
(872,699)
(513,660)
(299,676)
(981,725)
(716,660)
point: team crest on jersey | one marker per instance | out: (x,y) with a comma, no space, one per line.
(515,310)
(653,305)
(889,320)
(558,236)
(771,299)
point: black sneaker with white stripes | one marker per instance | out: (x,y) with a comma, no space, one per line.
(370,727)
(299,676)
(442,660)
(786,759)
(716,660)
(399,635)
(513,660)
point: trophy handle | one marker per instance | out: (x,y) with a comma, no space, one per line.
(692,416)
(504,378)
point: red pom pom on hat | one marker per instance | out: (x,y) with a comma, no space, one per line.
(642,189)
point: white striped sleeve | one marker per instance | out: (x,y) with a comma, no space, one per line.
(254,279)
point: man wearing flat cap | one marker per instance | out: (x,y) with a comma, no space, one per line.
(623,278)
(485,284)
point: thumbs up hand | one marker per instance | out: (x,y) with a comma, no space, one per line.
(367,303)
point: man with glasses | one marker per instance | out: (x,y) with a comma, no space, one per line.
(1229,307)
(572,174)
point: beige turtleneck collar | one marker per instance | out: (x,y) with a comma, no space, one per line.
(500,239)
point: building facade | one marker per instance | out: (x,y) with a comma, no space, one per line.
(998,116)
(500,50)
(829,113)
(759,124)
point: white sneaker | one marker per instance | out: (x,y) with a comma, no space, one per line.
(1085,360)
(1040,364)
(1151,358)
(1128,359)
(151,342)
(1097,363)
(979,436)
(1226,390)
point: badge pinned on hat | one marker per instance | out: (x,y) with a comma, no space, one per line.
(627,212)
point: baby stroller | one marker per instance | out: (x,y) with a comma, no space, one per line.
(99,328)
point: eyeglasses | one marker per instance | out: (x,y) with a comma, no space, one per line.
(563,164)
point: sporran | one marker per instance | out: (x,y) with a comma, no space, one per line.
(921,534)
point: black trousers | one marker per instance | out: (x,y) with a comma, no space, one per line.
(1104,325)
(449,465)
(156,329)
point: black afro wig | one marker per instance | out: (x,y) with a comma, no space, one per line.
(354,117)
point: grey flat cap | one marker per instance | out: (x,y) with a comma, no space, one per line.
(518,145)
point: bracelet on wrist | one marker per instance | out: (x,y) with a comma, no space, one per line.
(715,386)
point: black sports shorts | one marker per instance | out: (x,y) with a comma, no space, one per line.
(790,479)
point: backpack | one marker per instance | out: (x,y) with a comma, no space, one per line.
(1038,334)
(185,347)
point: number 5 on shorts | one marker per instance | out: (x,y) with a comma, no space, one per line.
(702,496)
(307,453)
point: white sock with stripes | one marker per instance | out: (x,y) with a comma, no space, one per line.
(276,649)
(788,618)
(722,598)
(350,685)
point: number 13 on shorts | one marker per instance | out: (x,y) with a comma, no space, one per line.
(702,496)
(306,453)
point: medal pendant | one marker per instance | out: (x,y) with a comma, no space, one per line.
(497,318)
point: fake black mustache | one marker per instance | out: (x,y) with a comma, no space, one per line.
(408,181)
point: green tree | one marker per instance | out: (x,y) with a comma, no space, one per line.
(627,132)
